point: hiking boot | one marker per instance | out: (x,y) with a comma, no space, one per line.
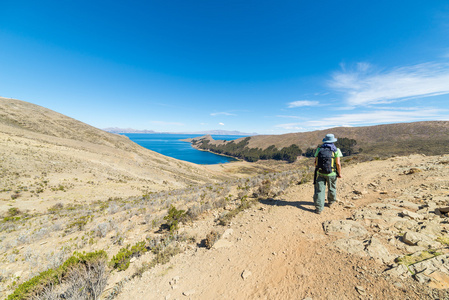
(330,204)
(317,211)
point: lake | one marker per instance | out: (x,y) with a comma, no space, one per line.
(170,145)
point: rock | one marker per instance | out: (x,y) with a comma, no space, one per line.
(360,290)
(400,271)
(431,265)
(441,211)
(246,274)
(357,192)
(412,215)
(351,246)
(409,205)
(344,228)
(222,244)
(439,280)
(133,259)
(431,228)
(412,171)
(444,210)
(227,233)
(372,185)
(377,250)
(420,239)
(421,278)
(189,293)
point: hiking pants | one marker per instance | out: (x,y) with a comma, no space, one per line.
(320,189)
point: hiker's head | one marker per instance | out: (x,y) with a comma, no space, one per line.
(329,138)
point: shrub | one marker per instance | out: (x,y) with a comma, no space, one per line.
(76,263)
(13,211)
(211,238)
(173,218)
(122,259)
(56,208)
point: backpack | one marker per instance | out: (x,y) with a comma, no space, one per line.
(325,163)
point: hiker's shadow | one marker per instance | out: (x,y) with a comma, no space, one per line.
(280,202)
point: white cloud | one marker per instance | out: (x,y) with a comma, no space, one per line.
(379,117)
(288,117)
(222,114)
(302,103)
(164,123)
(221,124)
(366,86)
(292,127)
(369,118)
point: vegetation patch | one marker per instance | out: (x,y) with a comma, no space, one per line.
(242,151)
(122,259)
(414,258)
(38,284)
(443,240)
(211,238)
(225,219)
(173,218)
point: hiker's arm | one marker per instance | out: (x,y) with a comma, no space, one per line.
(338,164)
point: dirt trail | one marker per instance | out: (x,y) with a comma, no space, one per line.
(279,250)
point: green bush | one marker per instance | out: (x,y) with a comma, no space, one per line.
(38,283)
(173,218)
(13,211)
(122,259)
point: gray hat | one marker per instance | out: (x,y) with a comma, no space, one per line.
(330,138)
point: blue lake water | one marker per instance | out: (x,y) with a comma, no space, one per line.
(170,145)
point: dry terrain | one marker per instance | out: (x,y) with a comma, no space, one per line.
(280,249)
(175,230)
(48,158)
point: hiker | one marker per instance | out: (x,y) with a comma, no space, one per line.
(327,170)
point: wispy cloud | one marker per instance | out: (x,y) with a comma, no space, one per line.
(293,127)
(379,117)
(288,117)
(302,103)
(164,123)
(221,124)
(366,86)
(222,114)
(369,118)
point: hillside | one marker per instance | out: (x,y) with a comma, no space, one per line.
(386,227)
(47,157)
(147,226)
(430,138)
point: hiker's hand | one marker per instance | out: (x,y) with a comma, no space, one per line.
(339,176)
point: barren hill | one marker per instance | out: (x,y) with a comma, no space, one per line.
(47,157)
(429,138)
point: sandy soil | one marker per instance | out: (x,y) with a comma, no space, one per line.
(278,249)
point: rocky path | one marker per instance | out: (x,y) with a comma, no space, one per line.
(280,249)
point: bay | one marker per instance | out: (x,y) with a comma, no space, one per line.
(171,145)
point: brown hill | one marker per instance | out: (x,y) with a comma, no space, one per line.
(47,157)
(431,137)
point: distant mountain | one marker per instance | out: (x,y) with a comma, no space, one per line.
(211,132)
(223,132)
(126,130)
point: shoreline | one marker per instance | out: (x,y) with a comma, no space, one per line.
(196,148)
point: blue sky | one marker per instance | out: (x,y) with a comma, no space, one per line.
(269,67)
